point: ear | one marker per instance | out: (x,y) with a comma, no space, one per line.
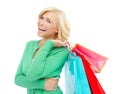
(56,31)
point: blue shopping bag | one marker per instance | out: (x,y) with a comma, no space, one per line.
(75,77)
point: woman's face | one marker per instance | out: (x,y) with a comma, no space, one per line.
(47,25)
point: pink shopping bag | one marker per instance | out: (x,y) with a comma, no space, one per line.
(95,60)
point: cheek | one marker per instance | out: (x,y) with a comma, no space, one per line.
(38,22)
(49,27)
(53,29)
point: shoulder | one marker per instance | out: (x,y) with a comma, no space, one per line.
(31,44)
(60,50)
(64,49)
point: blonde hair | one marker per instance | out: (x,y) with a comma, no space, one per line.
(63,24)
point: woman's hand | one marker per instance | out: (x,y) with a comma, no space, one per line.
(51,84)
(59,43)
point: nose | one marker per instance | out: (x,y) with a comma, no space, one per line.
(41,22)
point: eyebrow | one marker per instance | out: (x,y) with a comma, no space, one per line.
(47,18)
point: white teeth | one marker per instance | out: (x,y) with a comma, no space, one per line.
(42,29)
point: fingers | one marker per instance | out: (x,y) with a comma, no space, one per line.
(67,44)
(56,80)
(59,43)
(51,84)
(55,88)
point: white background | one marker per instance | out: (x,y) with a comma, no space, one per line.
(94,24)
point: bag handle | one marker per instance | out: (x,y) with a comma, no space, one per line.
(70,48)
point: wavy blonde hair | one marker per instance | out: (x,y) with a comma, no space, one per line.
(62,25)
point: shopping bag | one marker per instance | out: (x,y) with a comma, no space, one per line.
(75,77)
(94,83)
(95,60)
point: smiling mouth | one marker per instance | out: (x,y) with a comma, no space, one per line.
(43,30)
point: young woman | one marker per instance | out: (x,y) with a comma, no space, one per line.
(43,60)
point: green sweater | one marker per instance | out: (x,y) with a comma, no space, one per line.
(31,73)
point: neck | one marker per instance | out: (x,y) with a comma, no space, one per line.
(43,40)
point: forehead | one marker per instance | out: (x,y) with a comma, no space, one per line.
(50,15)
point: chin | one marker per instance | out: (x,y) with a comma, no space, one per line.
(40,35)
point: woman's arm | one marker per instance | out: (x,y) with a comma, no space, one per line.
(44,66)
(21,80)
(46,84)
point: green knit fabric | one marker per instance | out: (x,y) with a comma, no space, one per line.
(31,73)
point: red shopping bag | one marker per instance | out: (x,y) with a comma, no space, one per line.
(95,60)
(95,86)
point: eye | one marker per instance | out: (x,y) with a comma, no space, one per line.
(41,17)
(48,21)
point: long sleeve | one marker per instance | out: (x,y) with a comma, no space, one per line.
(45,65)
(21,80)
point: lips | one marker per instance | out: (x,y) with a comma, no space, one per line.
(41,29)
